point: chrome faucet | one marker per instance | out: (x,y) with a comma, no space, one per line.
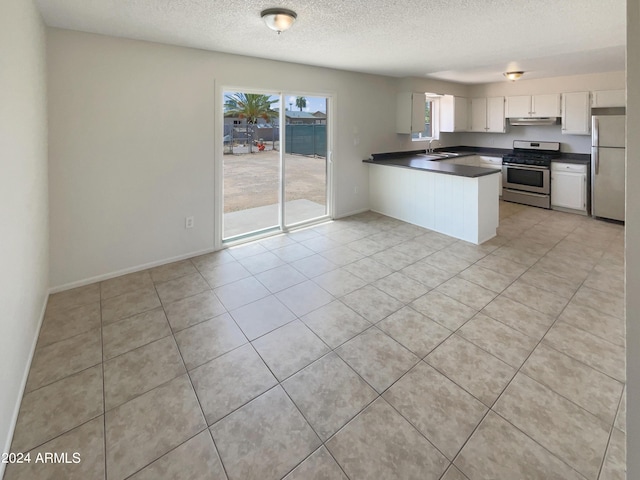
(430,149)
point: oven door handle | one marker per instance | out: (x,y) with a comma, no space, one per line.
(528,167)
(530,194)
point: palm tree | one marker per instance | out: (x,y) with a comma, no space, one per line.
(250,106)
(301,103)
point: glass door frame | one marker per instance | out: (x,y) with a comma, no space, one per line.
(218,170)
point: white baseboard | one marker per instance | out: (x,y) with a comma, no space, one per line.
(138,268)
(25,376)
(353,212)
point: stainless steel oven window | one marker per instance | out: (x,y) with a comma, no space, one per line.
(529,179)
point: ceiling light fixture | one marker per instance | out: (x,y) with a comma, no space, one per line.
(513,76)
(278,19)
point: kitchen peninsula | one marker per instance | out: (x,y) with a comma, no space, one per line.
(458,200)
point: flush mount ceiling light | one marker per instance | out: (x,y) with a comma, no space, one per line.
(513,76)
(278,19)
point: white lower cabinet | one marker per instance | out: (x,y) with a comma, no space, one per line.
(569,186)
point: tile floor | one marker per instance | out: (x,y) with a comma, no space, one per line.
(364,348)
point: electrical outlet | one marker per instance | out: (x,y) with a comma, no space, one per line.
(188,222)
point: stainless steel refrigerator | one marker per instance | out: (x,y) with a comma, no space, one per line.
(608,166)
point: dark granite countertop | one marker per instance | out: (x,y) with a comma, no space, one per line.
(420,161)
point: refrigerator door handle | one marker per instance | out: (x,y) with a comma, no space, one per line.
(596,160)
(594,132)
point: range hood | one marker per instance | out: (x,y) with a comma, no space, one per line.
(534,121)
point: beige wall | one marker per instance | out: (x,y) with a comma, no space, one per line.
(633,240)
(23,200)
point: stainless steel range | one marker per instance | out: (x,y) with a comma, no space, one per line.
(526,173)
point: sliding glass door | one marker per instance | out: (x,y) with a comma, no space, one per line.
(275,166)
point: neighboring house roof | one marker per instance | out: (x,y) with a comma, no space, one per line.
(292,114)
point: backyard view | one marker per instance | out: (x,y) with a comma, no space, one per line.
(252,174)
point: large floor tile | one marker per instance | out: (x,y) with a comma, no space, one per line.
(85,441)
(621,416)
(339,282)
(402,287)
(237,294)
(594,351)
(170,271)
(313,266)
(208,260)
(446,261)
(134,332)
(536,298)
(62,324)
(518,316)
(225,273)
(304,297)
(208,340)
(261,262)
(378,358)
(329,394)
(231,380)
(125,283)
(379,443)
(466,292)
(568,431)
(499,451)
(141,370)
(597,323)
(61,359)
(478,372)
(466,251)
(193,310)
(526,254)
(74,297)
(443,309)
(611,284)
(320,465)
(342,255)
(393,259)
(57,408)
(335,323)
(601,301)
(265,439)
(503,266)
(279,278)
(368,269)
(494,281)
(262,316)
(196,459)
(371,303)
(142,430)
(441,410)
(413,330)
(181,287)
(548,281)
(500,340)
(427,274)
(129,304)
(594,391)
(289,349)
(615,461)
(293,252)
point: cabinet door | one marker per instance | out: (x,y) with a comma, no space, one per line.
(410,112)
(519,106)
(478,115)
(547,105)
(454,114)
(569,190)
(609,98)
(495,115)
(576,113)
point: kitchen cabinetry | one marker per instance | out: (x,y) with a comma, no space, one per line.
(533,106)
(576,113)
(481,161)
(410,112)
(569,187)
(454,114)
(609,98)
(487,115)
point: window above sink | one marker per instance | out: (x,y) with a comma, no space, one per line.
(431,120)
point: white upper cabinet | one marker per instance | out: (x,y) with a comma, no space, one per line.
(576,113)
(454,114)
(609,98)
(487,115)
(410,112)
(533,106)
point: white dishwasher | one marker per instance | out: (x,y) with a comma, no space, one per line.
(569,187)
(496,164)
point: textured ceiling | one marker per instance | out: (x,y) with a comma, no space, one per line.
(468,41)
